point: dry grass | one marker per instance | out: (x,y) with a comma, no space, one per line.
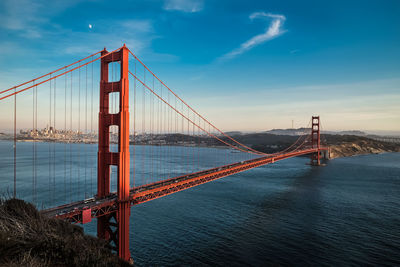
(29,239)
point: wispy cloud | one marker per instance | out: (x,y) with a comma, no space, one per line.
(274,30)
(136,25)
(190,6)
(136,34)
(36,20)
(28,18)
(21,16)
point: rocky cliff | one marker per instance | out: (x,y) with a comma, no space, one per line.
(361,147)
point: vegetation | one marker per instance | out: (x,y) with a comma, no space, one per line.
(27,238)
(341,145)
(350,145)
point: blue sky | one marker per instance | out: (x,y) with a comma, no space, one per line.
(245,65)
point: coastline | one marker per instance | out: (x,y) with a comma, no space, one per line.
(357,149)
(338,148)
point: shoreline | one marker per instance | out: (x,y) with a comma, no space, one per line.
(50,141)
(361,148)
(337,150)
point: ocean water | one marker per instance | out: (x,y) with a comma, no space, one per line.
(346,213)
(289,213)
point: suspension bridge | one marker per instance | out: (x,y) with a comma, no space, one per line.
(82,153)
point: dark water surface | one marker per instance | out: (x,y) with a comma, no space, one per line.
(287,213)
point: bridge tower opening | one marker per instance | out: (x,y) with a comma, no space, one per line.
(115,226)
(315,140)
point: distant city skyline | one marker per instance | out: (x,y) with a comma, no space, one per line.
(244,65)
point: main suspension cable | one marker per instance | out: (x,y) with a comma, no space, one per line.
(189,120)
(50,73)
(54,77)
(221,132)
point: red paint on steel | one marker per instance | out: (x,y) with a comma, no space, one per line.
(124,160)
(156,190)
(103,169)
(120,235)
(33,80)
(86,215)
(315,140)
(194,111)
(54,77)
(191,121)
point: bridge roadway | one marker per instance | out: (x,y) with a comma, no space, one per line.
(84,211)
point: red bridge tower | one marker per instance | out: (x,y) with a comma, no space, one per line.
(115,226)
(315,140)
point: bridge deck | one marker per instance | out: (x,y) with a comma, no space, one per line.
(74,212)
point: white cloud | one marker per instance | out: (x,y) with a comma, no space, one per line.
(266,15)
(30,18)
(274,30)
(136,34)
(190,6)
(21,16)
(135,25)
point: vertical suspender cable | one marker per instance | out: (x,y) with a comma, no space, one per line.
(176,131)
(15,145)
(70,142)
(157,136)
(152,133)
(144,125)
(159,114)
(65,137)
(91,132)
(188,136)
(79,129)
(143,131)
(36,109)
(54,142)
(85,145)
(194,142)
(162,167)
(183,140)
(150,136)
(169,136)
(171,151)
(48,136)
(134,127)
(33,143)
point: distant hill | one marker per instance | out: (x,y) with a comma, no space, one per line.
(342,145)
(353,132)
(298,131)
(233,133)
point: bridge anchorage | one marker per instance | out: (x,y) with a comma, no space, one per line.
(168,128)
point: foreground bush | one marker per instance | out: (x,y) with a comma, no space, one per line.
(28,238)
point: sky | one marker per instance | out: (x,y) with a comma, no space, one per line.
(245,65)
